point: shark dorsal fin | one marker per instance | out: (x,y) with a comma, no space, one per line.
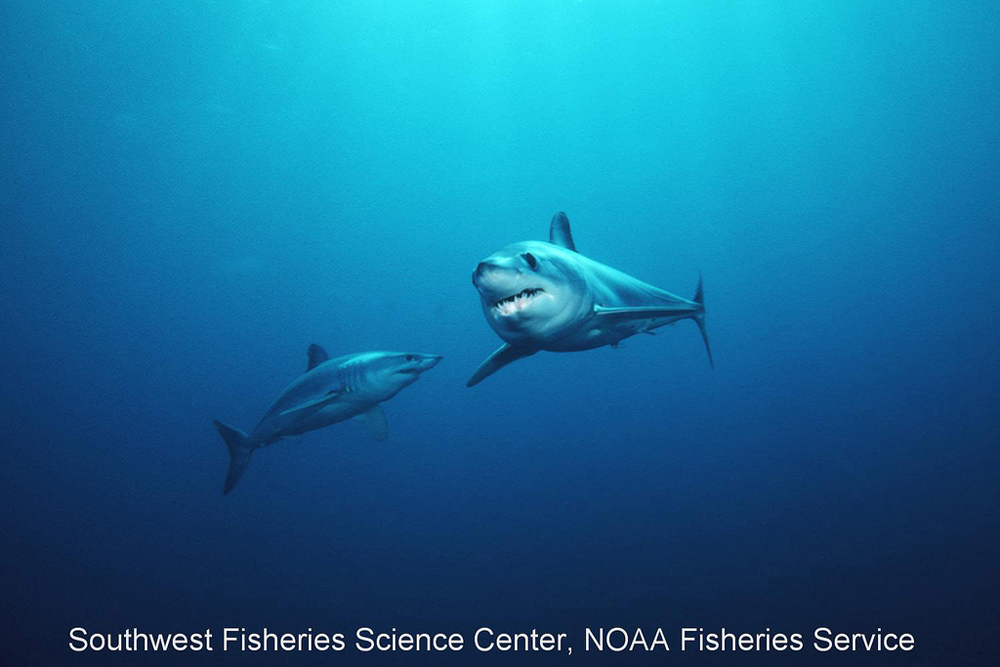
(317,355)
(559,233)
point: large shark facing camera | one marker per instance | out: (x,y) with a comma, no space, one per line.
(330,391)
(547,296)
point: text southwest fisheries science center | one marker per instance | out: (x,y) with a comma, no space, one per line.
(486,640)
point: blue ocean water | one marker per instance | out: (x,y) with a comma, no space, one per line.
(195,191)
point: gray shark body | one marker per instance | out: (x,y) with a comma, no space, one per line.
(547,296)
(330,391)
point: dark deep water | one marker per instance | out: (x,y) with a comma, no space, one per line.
(192,192)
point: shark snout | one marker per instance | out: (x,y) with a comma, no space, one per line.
(428,361)
(490,276)
(481,270)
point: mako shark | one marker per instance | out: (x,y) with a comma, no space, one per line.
(547,296)
(330,391)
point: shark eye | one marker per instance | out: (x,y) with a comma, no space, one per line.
(409,357)
(530,259)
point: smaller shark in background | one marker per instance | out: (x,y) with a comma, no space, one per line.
(330,391)
(547,296)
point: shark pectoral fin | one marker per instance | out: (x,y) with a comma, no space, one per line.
(643,312)
(694,310)
(325,398)
(559,233)
(317,355)
(504,355)
(374,419)
(699,319)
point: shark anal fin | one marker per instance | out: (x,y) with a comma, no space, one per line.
(506,354)
(325,398)
(317,355)
(559,233)
(374,419)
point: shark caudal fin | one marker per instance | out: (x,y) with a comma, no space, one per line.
(240,450)
(699,319)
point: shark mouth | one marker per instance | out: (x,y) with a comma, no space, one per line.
(516,302)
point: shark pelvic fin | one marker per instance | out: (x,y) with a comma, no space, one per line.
(317,355)
(374,419)
(240,450)
(501,357)
(559,233)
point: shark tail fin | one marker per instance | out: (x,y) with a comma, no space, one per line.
(699,319)
(240,450)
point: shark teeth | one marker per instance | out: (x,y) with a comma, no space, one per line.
(516,302)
